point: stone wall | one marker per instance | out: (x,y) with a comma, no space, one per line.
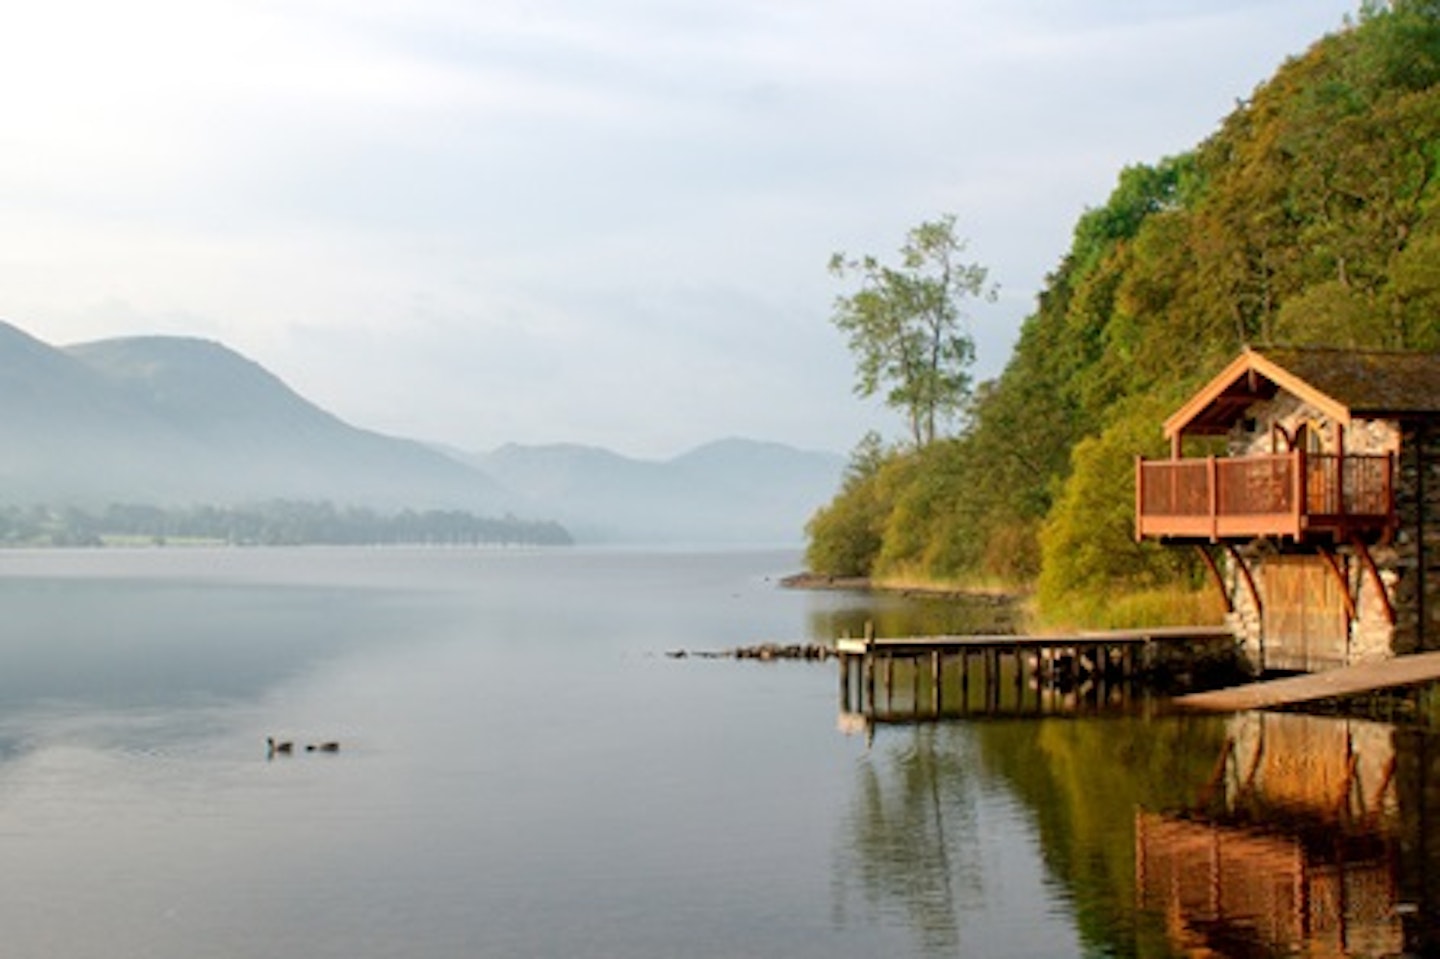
(1257,434)
(1416,559)
(1412,559)
(1244,618)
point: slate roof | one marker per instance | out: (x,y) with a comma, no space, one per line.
(1369,383)
(1343,383)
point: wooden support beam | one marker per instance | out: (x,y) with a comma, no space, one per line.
(1214,569)
(1245,573)
(1373,570)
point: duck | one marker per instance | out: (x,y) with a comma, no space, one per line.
(330,747)
(284,749)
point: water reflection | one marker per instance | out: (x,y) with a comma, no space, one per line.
(145,666)
(849,613)
(1259,834)
(996,683)
(912,839)
(1312,837)
(985,835)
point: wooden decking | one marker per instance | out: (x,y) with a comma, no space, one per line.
(1397,673)
(913,645)
(1295,494)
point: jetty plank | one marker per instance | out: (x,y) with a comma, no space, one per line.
(1402,671)
(1119,637)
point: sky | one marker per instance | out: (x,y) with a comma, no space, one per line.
(605,222)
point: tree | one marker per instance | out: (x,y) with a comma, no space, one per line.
(907,328)
(845,536)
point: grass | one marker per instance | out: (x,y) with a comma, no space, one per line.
(909,580)
(1164,606)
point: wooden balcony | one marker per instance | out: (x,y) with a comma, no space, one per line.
(1300,495)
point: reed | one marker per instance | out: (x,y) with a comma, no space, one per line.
(1157,606)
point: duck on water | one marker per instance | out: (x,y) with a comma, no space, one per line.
(287,748)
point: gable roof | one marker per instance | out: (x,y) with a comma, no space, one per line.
(1340,383)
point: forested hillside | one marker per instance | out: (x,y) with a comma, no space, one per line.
(1309,217)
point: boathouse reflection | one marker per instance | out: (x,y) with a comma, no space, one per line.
(1311,837)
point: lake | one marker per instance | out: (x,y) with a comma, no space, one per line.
(523,771)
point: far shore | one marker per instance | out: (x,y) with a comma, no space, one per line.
(808,580)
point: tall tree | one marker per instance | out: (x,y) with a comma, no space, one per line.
(907,327)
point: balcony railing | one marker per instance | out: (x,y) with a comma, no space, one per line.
(1283,494)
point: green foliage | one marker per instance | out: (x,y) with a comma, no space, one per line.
(845,536)
(1088,549)
(1312,216)
(905,325)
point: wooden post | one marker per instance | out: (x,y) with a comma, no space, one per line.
(992,679)
(936,664)
(1212,483)
(844,682)
(1340,476)
(1215,574)
(1298,459)
(1019,678)
(1139,497)
(869,666)
(964,679)
(1102,674)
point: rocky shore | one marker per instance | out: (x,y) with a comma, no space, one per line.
(763,652)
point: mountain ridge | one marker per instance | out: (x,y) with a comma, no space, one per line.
(178,420)
(731,490)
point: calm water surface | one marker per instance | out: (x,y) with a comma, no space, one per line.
(525,773)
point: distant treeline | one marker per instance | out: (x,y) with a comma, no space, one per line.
(273,523)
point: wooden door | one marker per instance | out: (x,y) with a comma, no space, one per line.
(1305,624)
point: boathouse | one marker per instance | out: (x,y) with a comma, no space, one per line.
(1312,489)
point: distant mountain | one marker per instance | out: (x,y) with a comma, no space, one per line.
(731,491)
(173,421)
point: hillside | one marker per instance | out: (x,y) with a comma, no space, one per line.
(731,491)
(174,421)
(1308,217)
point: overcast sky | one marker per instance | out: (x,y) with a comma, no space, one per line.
(593,221)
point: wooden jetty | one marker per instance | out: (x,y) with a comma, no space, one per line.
(997,674)
(1398,673)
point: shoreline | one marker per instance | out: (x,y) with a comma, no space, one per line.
(821,581)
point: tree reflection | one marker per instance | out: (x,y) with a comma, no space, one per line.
(911,839)
(1083,780)
(914,835)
